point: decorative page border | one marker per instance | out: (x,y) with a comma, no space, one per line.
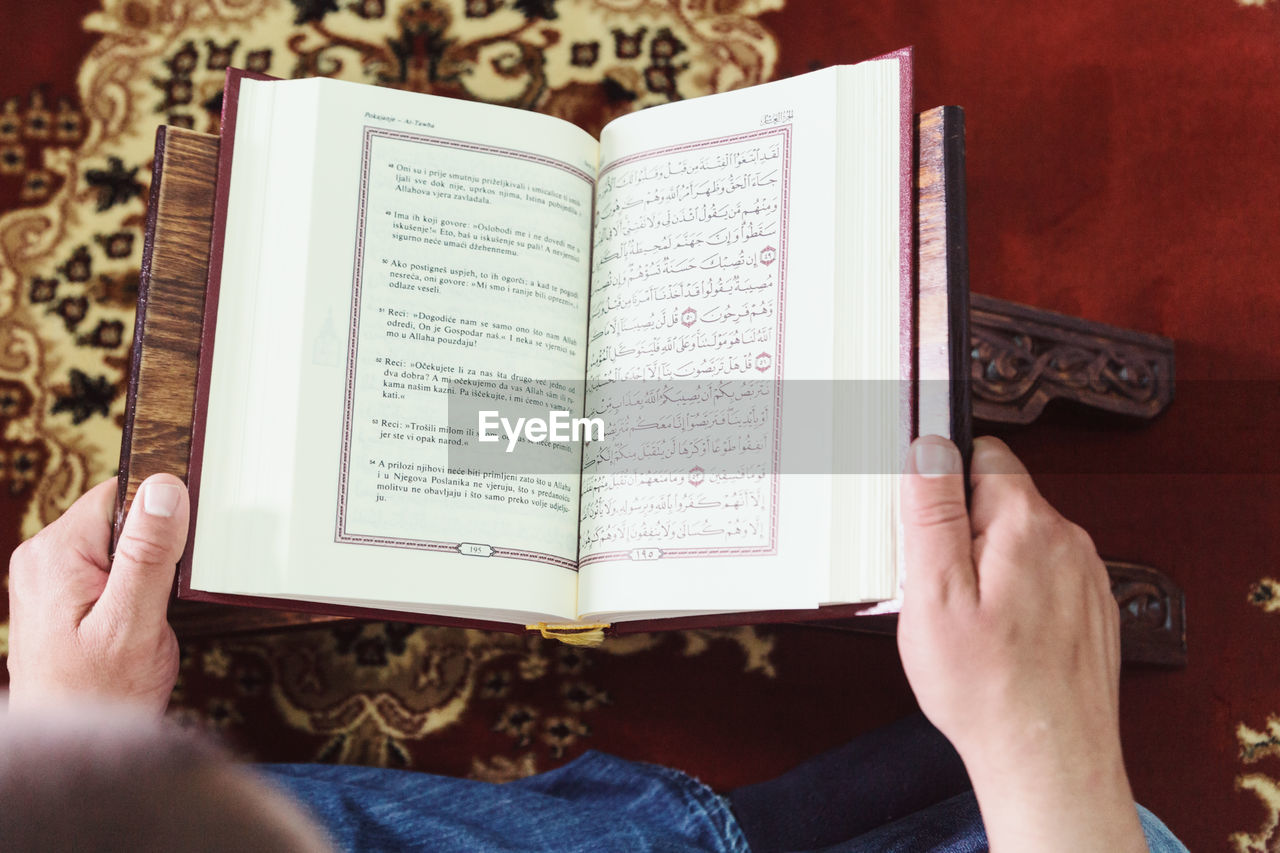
(470,549)
(771,549)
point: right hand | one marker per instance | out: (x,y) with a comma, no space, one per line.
(1010,639)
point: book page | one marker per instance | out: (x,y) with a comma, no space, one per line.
(712,284)
(465,281)
(446,248)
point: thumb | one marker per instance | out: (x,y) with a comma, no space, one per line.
(151,542)
(939,540)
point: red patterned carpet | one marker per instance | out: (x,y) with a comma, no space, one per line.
(1124,166)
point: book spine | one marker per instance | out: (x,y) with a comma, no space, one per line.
(957,252)
(139,323)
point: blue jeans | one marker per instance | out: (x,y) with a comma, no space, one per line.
(955,826)
(596,804)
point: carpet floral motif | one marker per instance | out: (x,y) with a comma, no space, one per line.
(74,175)
(1257,745)
(364,693)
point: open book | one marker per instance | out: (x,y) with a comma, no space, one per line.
(467,361)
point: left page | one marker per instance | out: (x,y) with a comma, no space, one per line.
(399,246)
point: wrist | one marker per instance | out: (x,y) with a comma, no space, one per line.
(1077,801)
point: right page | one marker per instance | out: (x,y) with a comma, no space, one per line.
(743,350)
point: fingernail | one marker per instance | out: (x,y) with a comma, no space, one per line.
(936,460)
(161,499)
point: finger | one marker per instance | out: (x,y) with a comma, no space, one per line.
(84,530)
(151,542)
(62,569)
(999,480)
(991,457)
(938,535)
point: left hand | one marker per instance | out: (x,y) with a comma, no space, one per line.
(81,624)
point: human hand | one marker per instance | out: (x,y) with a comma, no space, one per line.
(80,624)
(1010,638)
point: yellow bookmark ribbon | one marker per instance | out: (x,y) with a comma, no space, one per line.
(572,634)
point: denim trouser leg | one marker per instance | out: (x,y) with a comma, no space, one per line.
(955,826)
(595,804)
